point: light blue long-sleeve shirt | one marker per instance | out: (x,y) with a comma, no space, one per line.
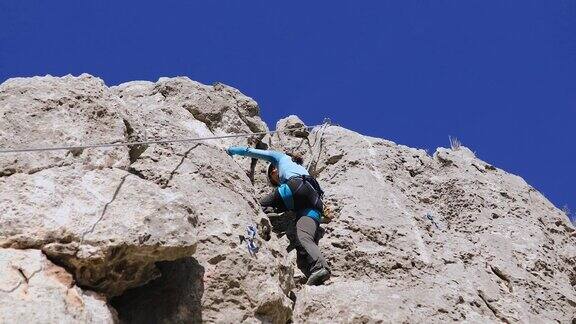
(286,167)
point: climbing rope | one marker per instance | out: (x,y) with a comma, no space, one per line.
(159,141)
(318,142)
(251,230)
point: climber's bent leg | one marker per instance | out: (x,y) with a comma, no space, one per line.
(302,261)
(306,228)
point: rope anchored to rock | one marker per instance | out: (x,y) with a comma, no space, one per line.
(158,141)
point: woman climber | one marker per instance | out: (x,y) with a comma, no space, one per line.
(295,190)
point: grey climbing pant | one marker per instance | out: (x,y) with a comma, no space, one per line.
(309,258)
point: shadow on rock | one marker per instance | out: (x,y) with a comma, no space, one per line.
(281,223)
(175,297)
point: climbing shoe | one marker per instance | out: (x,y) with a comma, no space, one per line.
(318,277)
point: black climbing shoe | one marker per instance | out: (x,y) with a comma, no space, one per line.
(318,277)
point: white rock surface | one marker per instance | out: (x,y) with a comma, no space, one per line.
(34,290)
(109,223)
(501,251)
(106,226)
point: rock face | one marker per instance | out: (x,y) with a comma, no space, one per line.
(493,248)
(95,224)
(150,233)
(34,290)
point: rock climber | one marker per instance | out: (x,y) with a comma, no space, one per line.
(297,191)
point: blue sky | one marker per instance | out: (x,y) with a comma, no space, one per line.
(499,75)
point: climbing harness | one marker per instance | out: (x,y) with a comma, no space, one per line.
(159,141)
(250,240)
(429,216)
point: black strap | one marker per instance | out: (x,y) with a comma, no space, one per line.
(312,183)
(299,186)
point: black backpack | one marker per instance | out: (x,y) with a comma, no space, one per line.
(314,185)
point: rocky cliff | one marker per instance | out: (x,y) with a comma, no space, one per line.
(150,233)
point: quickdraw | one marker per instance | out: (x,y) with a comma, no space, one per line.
(250,240)
(429,216)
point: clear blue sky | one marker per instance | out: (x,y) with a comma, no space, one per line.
(500,75)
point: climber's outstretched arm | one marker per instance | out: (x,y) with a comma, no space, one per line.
(270,156)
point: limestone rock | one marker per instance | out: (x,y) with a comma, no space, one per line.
(110,223)
(67,111)
(34,290)
(218,189)
(292,126)
(107,226)
(493,250)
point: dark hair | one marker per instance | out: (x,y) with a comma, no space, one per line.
(271,167)
(296,158)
